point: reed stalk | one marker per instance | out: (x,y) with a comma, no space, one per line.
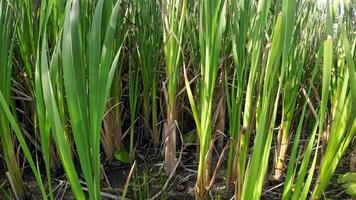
(173,17)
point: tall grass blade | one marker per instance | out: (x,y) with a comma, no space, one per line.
(86,108)
(6,135)
(173,17)
(23,144)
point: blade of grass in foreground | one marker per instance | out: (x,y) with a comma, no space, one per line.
(60,136)
(286,81)
(42,115)
(211,28)
(255,51)
(301,185)
(343,123)
(73,74)
(87,95)
(256,170)
(7,143)
(23,144)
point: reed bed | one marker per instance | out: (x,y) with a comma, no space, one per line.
(233,99)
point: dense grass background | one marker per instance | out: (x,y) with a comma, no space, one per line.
(264,91)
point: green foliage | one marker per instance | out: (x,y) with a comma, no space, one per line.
(173,18)
(86,107)
(148,39)
(6,135)
(23,145)
(122,156)
(66,90)
(85,113)
(348,181)
(211,27)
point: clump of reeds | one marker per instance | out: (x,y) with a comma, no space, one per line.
(285,70)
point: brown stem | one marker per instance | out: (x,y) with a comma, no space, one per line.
(170,143)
